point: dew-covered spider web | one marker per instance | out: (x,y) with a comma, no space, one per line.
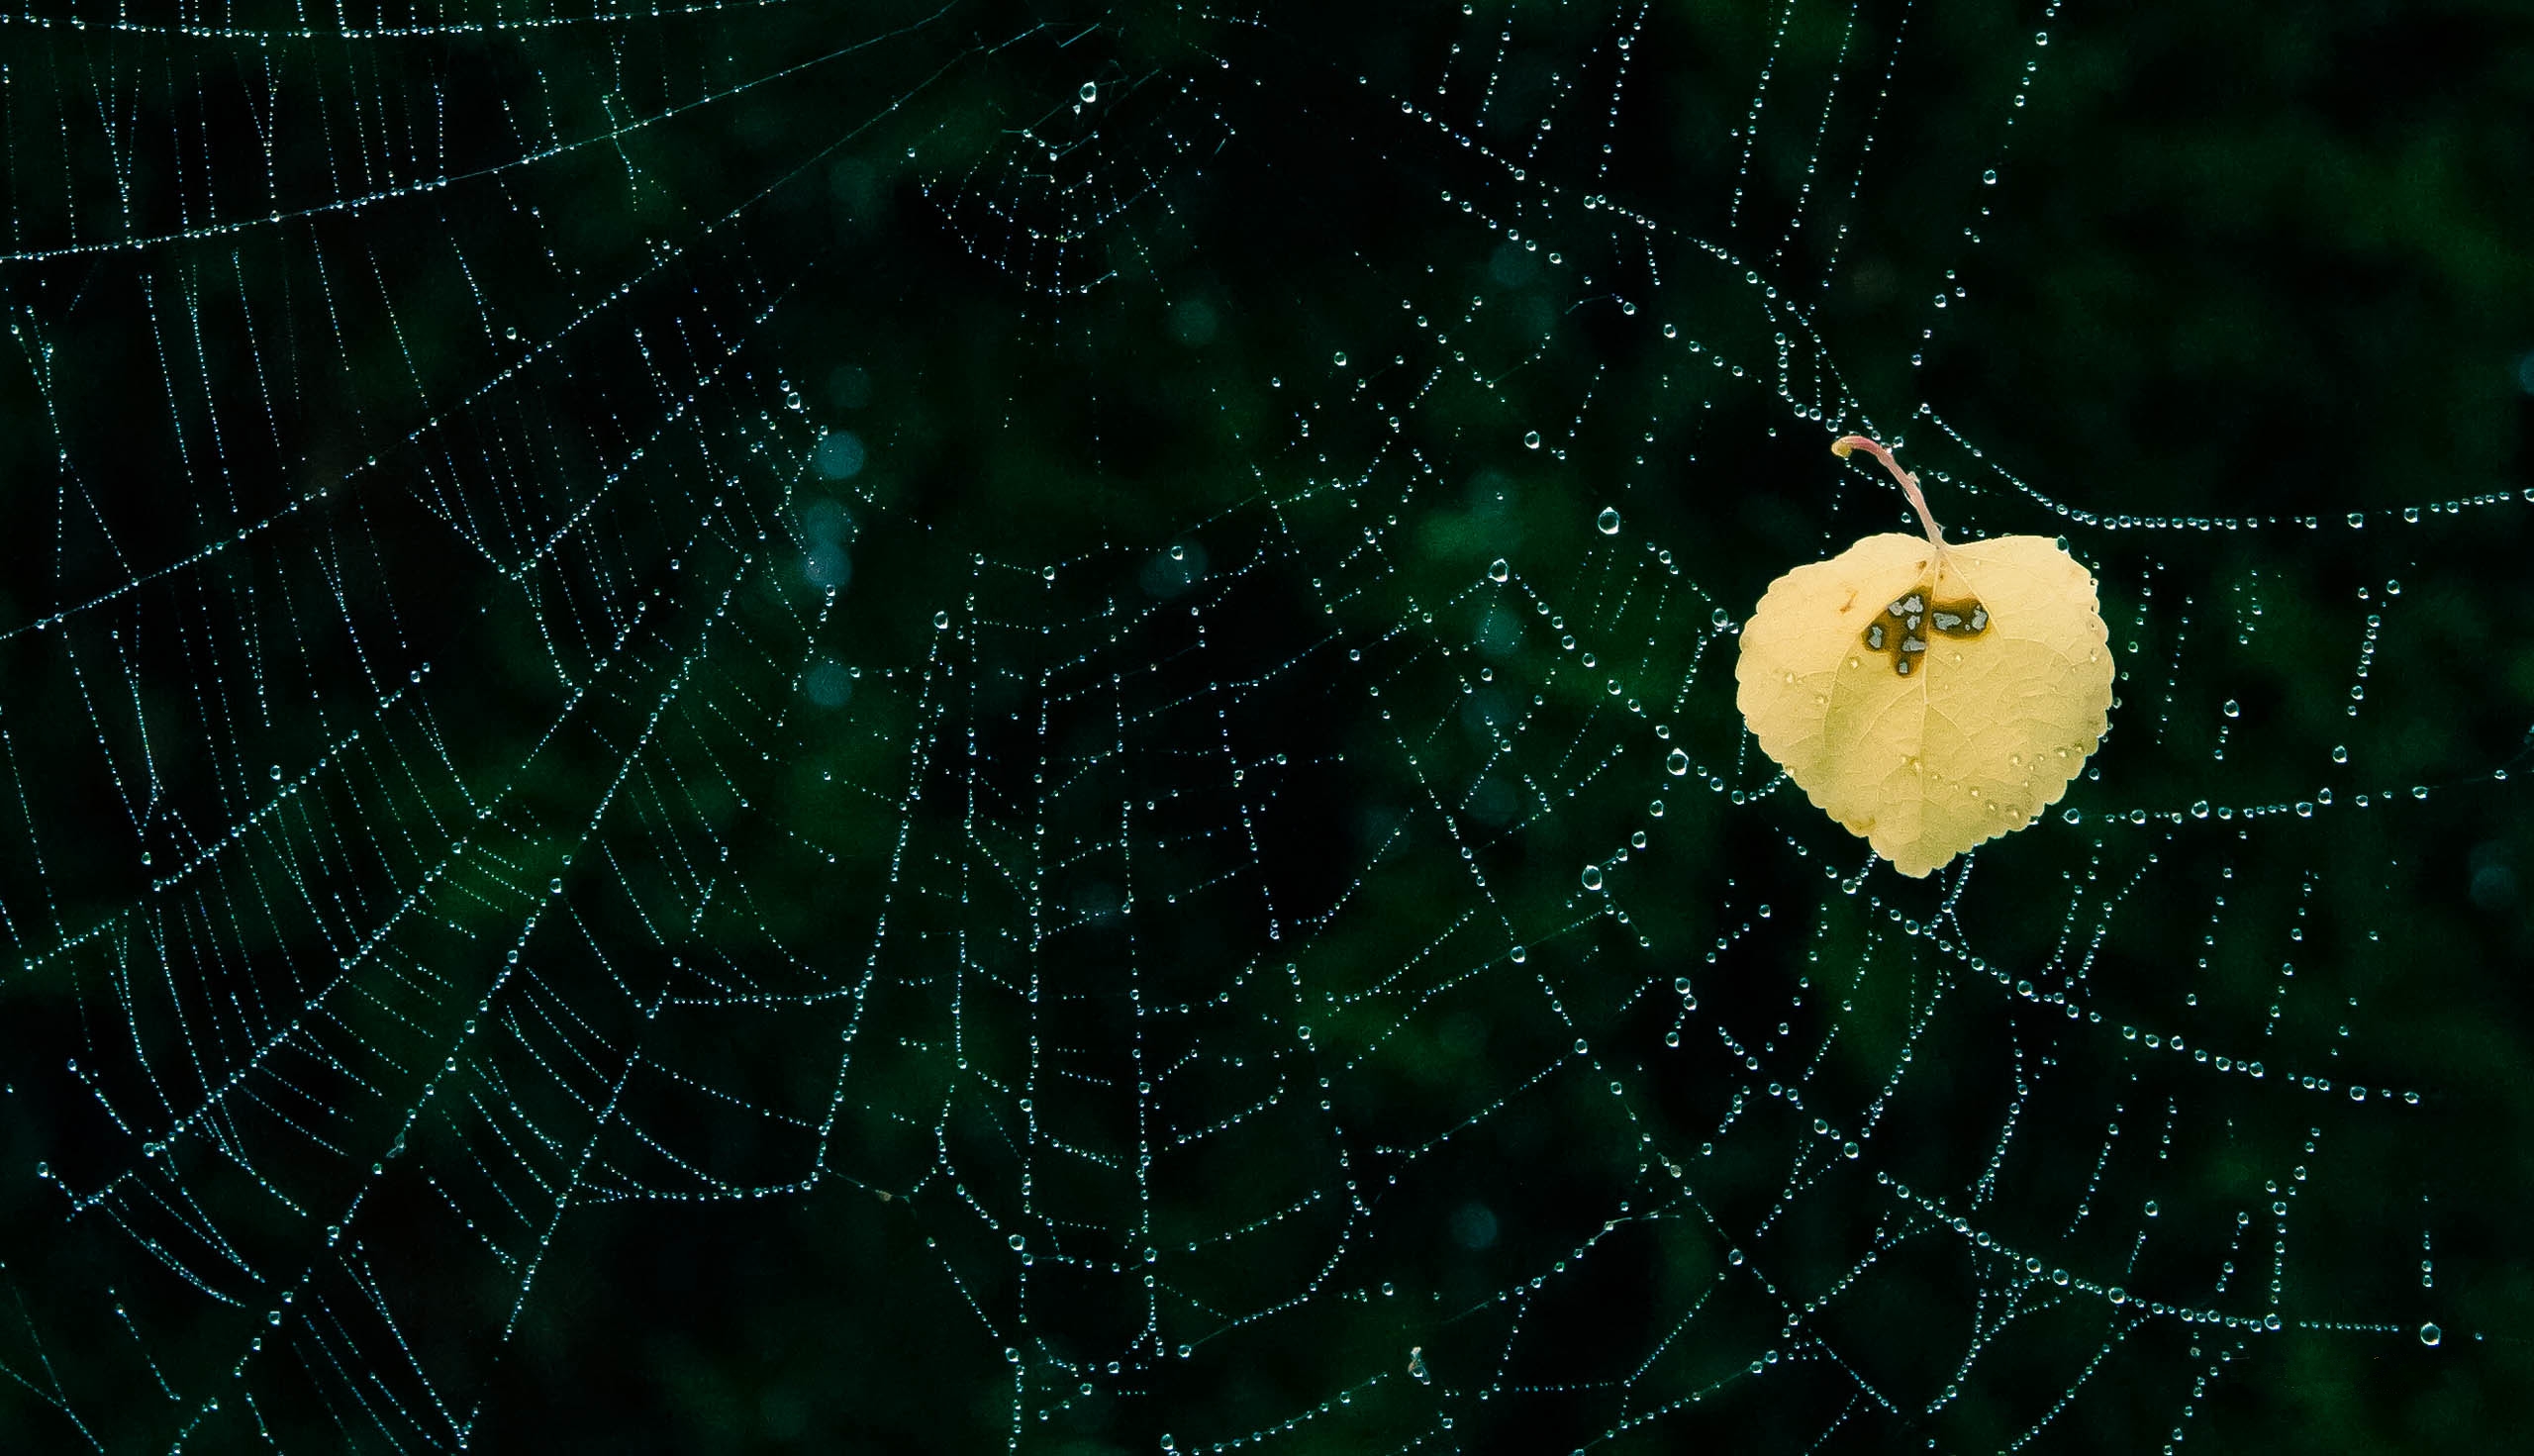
(915,727)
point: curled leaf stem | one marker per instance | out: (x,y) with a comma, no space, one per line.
(1908,482)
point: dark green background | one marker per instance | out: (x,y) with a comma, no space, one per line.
(609,1040)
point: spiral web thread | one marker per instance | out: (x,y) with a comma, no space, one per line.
(533,770)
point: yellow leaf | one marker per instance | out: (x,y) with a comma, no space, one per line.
(1928,696)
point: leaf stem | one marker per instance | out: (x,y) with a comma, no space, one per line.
(1908,482)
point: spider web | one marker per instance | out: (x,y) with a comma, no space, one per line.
(767,726)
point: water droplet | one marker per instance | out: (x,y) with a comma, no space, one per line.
(2430,1334)
(1090,92)
(1720,617)
(1500,570)
(2340,753)
(940,621)
(1677,764)
(2232,709)
(1607,521)
(1989,177)
(1531,440)
(1592,877)
(1340,360)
